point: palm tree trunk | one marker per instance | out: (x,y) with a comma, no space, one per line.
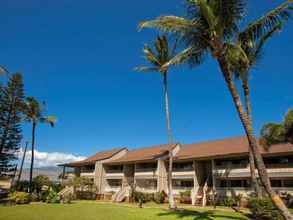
(32,159)
(172,204)
(264,178)
(254,183)
(166,97)
(21,165)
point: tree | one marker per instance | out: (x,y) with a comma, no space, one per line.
(11,105)
(39,182)
(253,51)
(157,59)
(22,162)
(275,133)
(34,114)
(213,27)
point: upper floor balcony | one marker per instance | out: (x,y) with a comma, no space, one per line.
(274,170)
(114,172)
(146,170)
(183,170)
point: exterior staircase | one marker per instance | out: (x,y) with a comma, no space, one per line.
(120,195)
(199,197)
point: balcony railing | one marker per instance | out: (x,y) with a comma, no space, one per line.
(114,171)
(139,170)
(182,169)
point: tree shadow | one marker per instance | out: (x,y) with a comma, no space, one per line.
(200,215)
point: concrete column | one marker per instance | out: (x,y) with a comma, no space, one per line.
(128,175)
(213,175)
(162,183)
(195,183)
(99,177)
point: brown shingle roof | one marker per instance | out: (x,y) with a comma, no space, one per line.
(145,154)
(224,148)
(102,155)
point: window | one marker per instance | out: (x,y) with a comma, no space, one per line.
(88,169)
(115,169)
(146,166)
(115,182)
(183,183)
(288,183)
(223,183)
(234,183)
(183,166)
(276,183)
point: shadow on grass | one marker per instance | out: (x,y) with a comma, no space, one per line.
(201,215)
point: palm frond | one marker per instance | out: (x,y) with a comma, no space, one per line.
(146,69)
(162,47)
(150,55)
(229,13)
(266,23)
(180,58)
(49,119)
(3,70)
(171,24)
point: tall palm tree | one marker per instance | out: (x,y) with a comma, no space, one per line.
(253,53)
(157,59)
(21,165)
(213,27)
(34,115)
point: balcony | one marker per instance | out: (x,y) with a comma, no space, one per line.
(87,174)
(114,175)
(278,170)
(183,174)
(145,173)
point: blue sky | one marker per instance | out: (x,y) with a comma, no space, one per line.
(78,56)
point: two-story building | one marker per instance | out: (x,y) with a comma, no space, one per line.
(220,167)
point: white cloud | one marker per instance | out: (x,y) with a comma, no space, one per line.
(45,159)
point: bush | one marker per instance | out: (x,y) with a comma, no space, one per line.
(228,201)
(185,197)
(56,187)
(143,197)
(159,197)
(186,193)
(19,197)
(53,197)
(263,209)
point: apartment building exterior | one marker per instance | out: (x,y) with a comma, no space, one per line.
(218,167)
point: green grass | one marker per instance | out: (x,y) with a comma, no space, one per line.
(108,211)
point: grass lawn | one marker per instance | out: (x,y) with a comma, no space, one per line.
(106,211)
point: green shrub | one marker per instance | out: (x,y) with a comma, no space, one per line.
(228,201)
(263,209)
(19,197)
(159,197)
(44,195)
(186,193)
(143,197)
(53,197)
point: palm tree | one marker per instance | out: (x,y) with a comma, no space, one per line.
(21,165)
(34,115)
(253,53)
(213,27)
(275,133)
(158,59)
